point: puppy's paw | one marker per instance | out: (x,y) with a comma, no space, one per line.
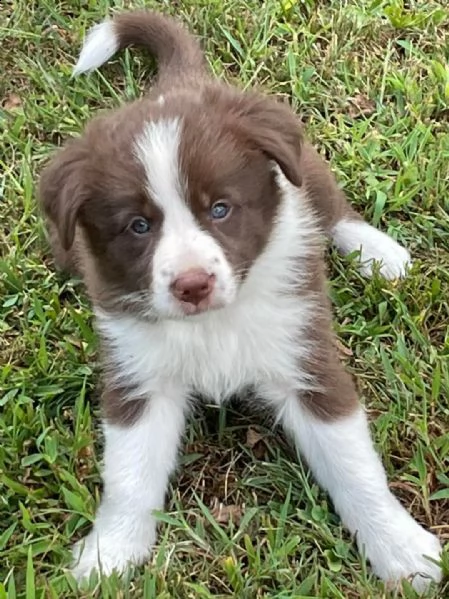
(374,246)
(105,554)
(403,553)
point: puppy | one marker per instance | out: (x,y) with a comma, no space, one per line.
(196,217)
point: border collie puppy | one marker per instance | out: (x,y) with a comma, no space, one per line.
(196,217)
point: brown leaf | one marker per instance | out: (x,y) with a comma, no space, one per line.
(255,441)
(342,348)
(253,437)
(63,33)
(12,101)
(226,513)
(406,487)
(86,452)
(360,105)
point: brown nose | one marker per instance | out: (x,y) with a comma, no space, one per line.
(193,286)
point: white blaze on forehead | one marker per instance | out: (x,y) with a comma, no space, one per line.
(157,148)
(183,244)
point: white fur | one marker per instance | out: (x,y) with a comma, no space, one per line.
(374,245)
(100,45)
(345,463)
(157,148)
(138,462)
(183,244)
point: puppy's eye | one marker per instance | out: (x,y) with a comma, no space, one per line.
(220,210)
(140,225)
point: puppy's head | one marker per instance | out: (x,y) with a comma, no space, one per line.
(174,199)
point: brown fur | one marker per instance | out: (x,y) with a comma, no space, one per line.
(337,396)
(117,408)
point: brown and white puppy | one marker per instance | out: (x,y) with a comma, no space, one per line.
(196,217)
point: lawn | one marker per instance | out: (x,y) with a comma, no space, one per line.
(244,517)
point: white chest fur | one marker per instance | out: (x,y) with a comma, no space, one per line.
(217,355)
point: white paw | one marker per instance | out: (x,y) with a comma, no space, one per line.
(393,259)
(106,554)
(374,246)
(401,554)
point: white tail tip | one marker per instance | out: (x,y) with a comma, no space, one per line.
(100,45)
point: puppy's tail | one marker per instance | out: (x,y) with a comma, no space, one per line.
(178,53)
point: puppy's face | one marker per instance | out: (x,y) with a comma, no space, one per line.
(175,199)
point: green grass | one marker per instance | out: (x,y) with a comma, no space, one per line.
(370,80)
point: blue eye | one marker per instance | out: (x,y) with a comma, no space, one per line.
(140,225)
(220,210)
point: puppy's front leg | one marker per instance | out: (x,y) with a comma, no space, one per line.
(138,460)
(342,457)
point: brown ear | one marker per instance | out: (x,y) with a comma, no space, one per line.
(274,129)
(62,192)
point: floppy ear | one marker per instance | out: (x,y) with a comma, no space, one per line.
(274,128)
(62,192)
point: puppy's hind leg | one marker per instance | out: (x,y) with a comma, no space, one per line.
(345,227)
(374,246)
(337,445)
